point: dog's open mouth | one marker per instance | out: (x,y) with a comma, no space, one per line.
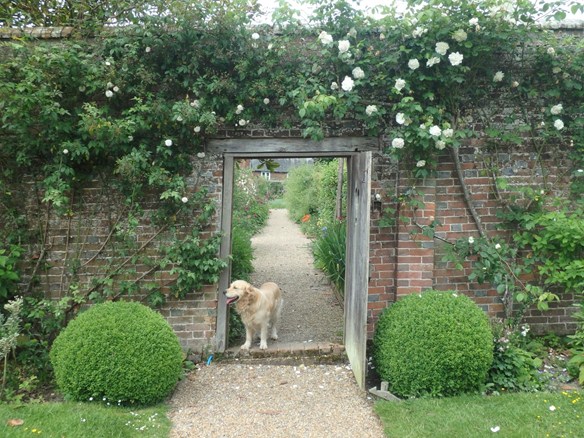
(231,300)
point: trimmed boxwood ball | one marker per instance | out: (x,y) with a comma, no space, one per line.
(433,344)
(122,352)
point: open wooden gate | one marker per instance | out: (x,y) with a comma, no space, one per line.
(357,150)
(357,262)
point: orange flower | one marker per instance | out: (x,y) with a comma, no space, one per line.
(306,218)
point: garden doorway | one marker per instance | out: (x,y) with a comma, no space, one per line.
(357,151)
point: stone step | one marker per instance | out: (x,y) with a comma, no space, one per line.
(289,353)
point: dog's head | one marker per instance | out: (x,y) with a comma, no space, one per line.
(236,291)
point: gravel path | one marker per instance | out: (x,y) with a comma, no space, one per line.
(251,400)
(311,311)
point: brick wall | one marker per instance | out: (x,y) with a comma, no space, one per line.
(404,261)
(82,247)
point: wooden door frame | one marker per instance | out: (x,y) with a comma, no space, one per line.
(357,151)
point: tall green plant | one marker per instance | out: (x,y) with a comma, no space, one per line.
(329,251)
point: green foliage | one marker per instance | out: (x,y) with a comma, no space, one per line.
(311,193)
(556,240)
(250,201)
(433,344)
(329,251)
(119,352)
(576,362)
(9,331)
(8,272)
(241,254)
(300,192)
(195,262)
(514,367)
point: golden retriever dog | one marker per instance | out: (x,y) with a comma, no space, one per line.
(259,309)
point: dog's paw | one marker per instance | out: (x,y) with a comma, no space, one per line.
(274,337)
(263,346)
(245,347)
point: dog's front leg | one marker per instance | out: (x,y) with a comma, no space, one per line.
(248,338)
(264,337)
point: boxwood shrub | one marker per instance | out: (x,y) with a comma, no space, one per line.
(433,344)
(119,352)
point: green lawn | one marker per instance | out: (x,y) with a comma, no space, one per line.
(522,415)
(75,420)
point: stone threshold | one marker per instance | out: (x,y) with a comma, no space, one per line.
(289,353)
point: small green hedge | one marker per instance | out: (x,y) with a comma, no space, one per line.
(433,344)
(120,352)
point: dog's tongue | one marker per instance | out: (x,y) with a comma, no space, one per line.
(231,300)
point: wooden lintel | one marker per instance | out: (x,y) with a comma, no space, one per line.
(332,145)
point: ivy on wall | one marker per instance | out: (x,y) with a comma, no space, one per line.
(136,103)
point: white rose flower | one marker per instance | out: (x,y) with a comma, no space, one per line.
(413,64)
(435,131)
(498,76)
(558,124)
(344,46)
(347,84)
(201,155)
(168,142)
(147,49)
(381,36)
(109,93)
(421,163)
(108,63)
(65,151)
(440,145)
(334,86)
(551,51)
(459,35)
(432,61)
(442,47)
(397,143)
(195,103)
(556,109)
(266,101)
(130,138)
(473,21)
(471,240)
(116,89)
(515,84)
(239,109)
(498,246)
(418,32)
(358,73)
(400,118)
(242,122)
(197,129)
(255,36)
(184,199)
(325,37)
(455,58)
(370,109)
(448,132)
(399,84)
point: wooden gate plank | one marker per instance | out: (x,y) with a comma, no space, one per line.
(357,263)
(224,252)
